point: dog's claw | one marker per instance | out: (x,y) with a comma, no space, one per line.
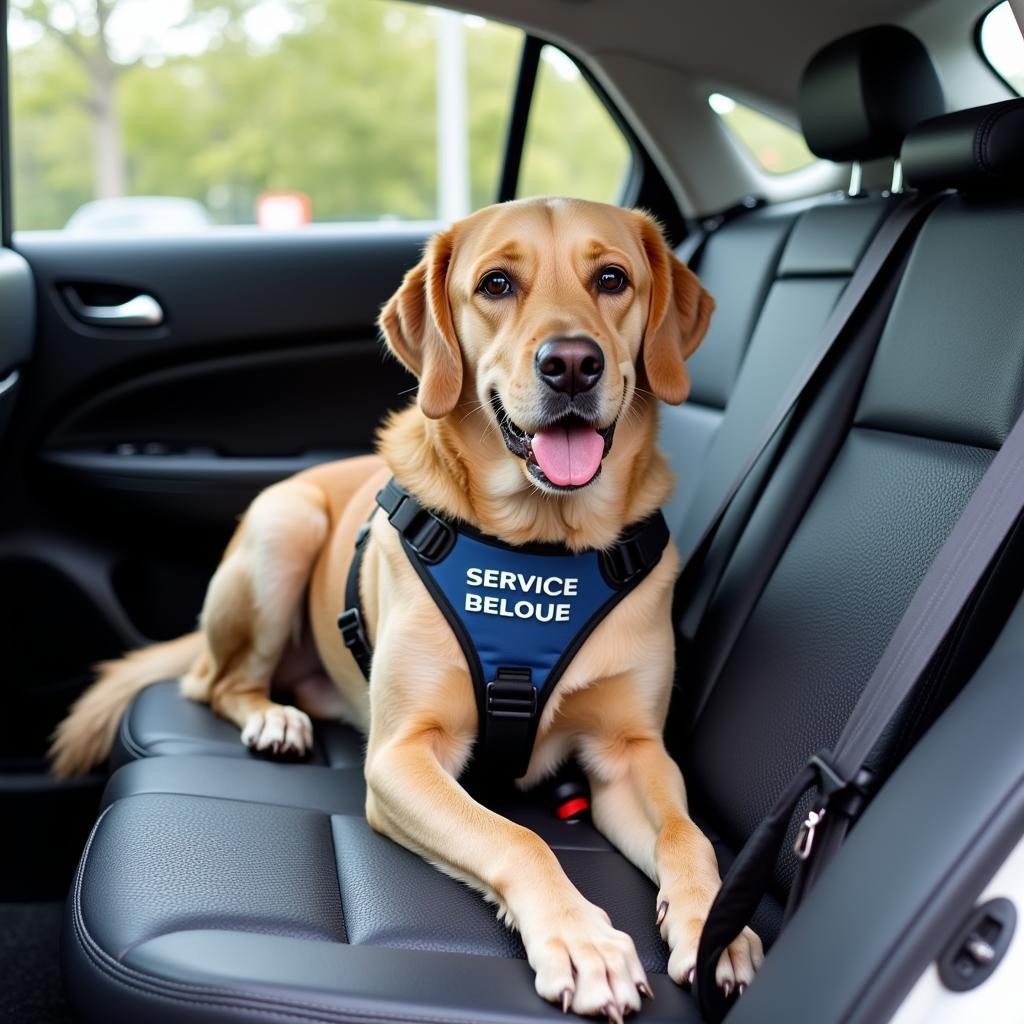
(566,1000)
(727,988)
(645,990)
(741,988)
(662,911)
(611,1011)
(691,976)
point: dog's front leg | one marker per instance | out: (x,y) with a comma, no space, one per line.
(581,961)
(639,803)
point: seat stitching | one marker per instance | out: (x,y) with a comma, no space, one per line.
(981,140)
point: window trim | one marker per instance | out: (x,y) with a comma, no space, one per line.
(981,50)
(639,163)
(519,116)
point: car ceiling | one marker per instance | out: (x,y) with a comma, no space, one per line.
(659,60)
(760,45)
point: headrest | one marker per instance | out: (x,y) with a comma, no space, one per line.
(860,95)
(980,149)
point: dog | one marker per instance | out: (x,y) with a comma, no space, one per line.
(538,330)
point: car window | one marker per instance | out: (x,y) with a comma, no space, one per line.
(175,115)
(1002,45)
(573,146)
(775,147)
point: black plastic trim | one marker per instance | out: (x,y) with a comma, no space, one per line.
(518,117)
(149,472)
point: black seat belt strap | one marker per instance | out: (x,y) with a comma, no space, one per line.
(697,588)
(945,592)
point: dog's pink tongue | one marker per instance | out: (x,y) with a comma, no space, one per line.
(568,455)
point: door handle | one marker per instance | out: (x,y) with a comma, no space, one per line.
(140,311)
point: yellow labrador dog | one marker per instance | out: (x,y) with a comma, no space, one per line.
(536,329)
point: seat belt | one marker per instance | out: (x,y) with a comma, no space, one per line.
(695,589)
(993,510)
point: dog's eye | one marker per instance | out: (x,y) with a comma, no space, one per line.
(612,279)
(494,283)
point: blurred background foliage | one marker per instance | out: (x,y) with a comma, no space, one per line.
(221,100)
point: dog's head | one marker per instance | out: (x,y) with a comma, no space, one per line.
(549,315)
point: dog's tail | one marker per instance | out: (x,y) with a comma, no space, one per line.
(86,736)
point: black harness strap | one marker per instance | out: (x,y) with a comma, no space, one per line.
(350,621)
(429,536)
(511,702)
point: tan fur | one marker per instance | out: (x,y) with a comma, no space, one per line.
(419,711)
(85,737)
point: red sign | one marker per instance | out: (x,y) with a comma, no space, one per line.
(283,211)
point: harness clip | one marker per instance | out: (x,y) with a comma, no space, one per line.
(353,636)
(429,536)
(512,694)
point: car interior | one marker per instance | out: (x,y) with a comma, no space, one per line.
(193,880)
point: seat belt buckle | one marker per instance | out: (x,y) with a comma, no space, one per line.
(511,694)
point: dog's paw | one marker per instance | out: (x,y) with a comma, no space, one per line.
(585,965)
(279,729)
(681,927)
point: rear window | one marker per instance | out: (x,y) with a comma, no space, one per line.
(1002,45)
(177,115)
(165,116)
(775,147)
(573,146)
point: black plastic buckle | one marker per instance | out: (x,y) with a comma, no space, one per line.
(512,694)
(353,636)
(431,538)
(624,561)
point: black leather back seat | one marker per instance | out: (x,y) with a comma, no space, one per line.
(776,273)
(227,889)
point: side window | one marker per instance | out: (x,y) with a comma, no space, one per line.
(160,116)
(774,146)
(1002,45)
(573,147)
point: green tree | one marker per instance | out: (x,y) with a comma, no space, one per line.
(340,105)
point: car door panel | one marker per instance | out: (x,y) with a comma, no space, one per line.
(133,449)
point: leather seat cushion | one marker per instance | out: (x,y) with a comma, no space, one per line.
(160,722)
(278,860)
(289,877)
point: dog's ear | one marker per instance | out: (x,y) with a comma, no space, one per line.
(677,320)
(417,325)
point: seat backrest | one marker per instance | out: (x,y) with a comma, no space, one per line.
(945,384)
(777,272)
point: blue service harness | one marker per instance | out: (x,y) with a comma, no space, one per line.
(520,613)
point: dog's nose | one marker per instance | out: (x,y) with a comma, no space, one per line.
(570,365)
